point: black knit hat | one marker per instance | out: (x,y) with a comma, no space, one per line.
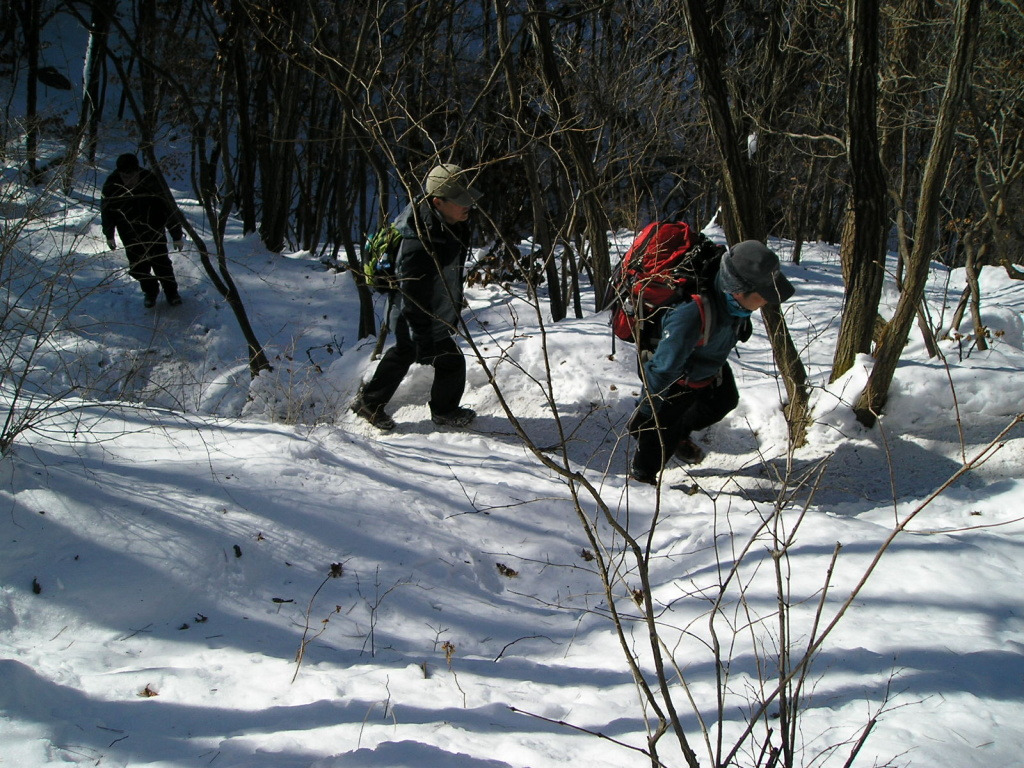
(127,162)
(749,266)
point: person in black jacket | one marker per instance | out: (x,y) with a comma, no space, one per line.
(137,207)
(429,268)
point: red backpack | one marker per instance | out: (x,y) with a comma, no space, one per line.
(668,263)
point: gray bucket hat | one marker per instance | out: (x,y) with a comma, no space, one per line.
(449,182)
(750,266)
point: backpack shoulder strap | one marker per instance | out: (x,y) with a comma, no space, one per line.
(707,314)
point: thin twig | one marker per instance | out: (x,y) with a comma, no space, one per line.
(581,729)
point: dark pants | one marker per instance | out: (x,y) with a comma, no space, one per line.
(151,266)
(449,372)
(684,410)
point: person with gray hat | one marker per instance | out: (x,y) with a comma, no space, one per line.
(429,268)
(688,385)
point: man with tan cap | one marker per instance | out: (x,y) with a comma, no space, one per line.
(429,269)
(688,385)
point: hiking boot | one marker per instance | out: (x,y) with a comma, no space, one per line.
(149,302)
(642,476)
(373,414)
(689,452)
(174,300)
(460,417)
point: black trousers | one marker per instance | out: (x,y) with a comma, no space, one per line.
(685,410)
(149,263)
(449,372)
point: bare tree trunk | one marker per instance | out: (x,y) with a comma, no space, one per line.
(31,19)
(528,157)
(872,400)
(89,115)
(863,247)
(897,150)
(973,267)
(961,309)
(596,222)
(903,244)
(277,152)
(247,157)
(747,214)
(148,35)
(800,223)
(92,96)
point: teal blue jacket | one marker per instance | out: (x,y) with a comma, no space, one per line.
(681,357)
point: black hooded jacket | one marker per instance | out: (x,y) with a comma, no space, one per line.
(430,270)
(140,214)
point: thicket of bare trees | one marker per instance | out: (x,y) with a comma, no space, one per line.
(877,122)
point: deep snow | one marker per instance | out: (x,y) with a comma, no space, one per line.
(162,562)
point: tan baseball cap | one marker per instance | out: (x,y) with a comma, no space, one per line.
(449,182)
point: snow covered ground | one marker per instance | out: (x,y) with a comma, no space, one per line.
(163,565)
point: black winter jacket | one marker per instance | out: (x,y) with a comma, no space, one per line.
(430,270)
(140,214)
